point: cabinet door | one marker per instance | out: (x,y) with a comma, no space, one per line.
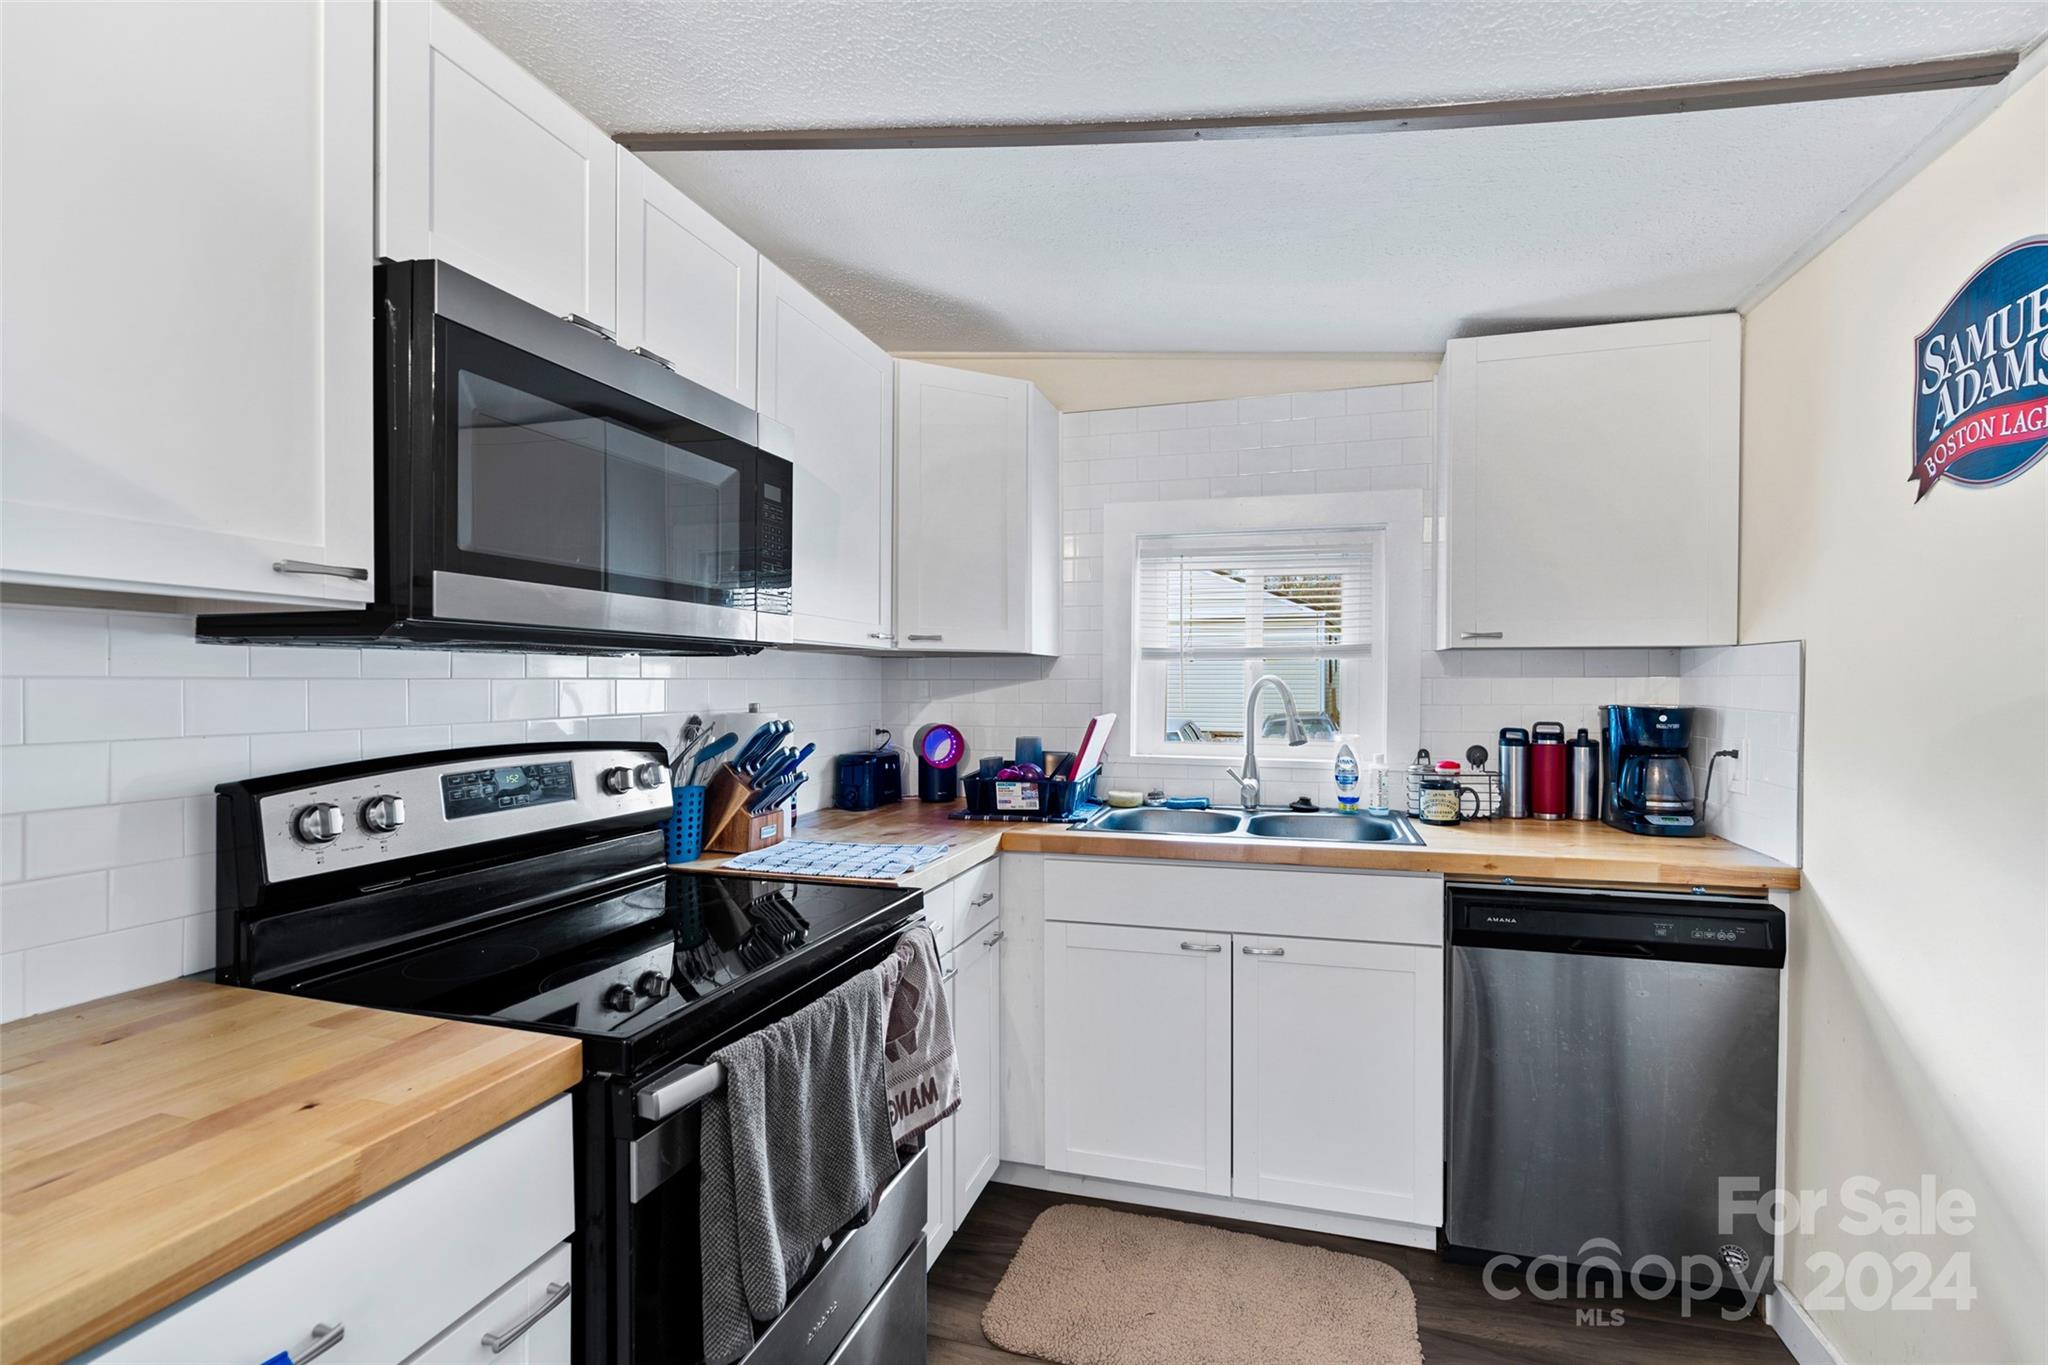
(938,1186)
(1591,486)
(963,506)
(186,325)
(688,285)
(834,389)
(1339,1077)
(977,1040)
(482,166)
(1137,1055)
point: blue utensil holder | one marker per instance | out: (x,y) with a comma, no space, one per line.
(686,826)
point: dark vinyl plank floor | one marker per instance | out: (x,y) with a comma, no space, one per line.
(1461,1323)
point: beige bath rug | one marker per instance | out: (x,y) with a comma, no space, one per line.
(1094,1286)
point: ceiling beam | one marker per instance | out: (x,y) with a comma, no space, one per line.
(1953,73)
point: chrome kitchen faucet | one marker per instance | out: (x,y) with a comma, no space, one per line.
(1248,781)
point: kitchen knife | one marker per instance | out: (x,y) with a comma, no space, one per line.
(756,745)
(709,752)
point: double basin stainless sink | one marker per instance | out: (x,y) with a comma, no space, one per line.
(1328,826)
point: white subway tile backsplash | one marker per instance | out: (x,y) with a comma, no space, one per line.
(356,703)
(406,739)
(87,837)
(52,642)
(82,969)
(149,769)
(52,776)
(488,732)
(283,753)
(12,983)
(12,853)
(224,706)
(59,709)
(40,912)
(406,663)
(147,893)
(587,697)
(147,646)
(525,700)
(285,661)
(10,710)
(489,665)
(448,701)
(557,666)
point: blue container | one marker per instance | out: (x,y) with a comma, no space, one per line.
(686,826)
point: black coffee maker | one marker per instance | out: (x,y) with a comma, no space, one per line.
(1648,778)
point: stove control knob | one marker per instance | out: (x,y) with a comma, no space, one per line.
(382,814)
(618,997)
(653,985)
(319,823)
(617,781)
(650,775)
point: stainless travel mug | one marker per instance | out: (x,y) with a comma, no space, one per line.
(1582,777)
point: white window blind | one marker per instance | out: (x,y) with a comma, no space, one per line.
(1215,611)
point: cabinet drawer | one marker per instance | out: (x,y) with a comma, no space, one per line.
(392,1272)
(979,901)
(525,1323)
(1358,907)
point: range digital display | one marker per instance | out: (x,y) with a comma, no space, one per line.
(487,789)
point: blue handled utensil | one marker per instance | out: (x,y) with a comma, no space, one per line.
(709,752)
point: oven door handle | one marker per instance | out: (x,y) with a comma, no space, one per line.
(690,1085)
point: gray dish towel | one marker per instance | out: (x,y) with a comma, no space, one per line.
(924,1073)
(792,1147)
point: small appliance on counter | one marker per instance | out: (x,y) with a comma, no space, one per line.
(869,779)
(940,748)
(1648,788)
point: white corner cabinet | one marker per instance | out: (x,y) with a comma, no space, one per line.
(482,166)
(977,513)
(1264,1035)
(963,1148)
(471,1247)
(834,390)
(185,296)
(1588,486)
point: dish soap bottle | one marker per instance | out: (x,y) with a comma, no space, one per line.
(1347,778)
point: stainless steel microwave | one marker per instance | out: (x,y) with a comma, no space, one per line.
(540,487)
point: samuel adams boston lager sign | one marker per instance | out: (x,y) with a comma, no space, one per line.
(1980,406)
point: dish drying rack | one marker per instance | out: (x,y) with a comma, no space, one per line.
(1486,783)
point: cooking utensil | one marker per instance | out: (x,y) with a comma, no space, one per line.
(692,728)
(709,752)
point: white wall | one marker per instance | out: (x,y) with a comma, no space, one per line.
(1375,437)
(1091,382)
(1919,968)
(117,725)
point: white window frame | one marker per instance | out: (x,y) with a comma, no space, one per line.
(1396,520)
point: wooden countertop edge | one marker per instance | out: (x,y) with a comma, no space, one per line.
(76,1317)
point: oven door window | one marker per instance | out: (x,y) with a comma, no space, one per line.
(550,478)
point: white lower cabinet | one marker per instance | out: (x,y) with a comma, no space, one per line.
(1137,1055)
(1338,1087)
(525,1323)
(977,1008)
(938,1188)
(391,1274)
(1218,1058)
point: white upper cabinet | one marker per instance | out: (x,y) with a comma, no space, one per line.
(185,299)
(1589,485)
(688,284)
(1354,1123)
(977,499)
(832,388)
(482,166)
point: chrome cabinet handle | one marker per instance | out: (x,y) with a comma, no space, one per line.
(1479,635)
(879,635)
(993,939)
(1264,952)
(915,636)
(498,1341)
(655,356)
(322,570)
(1188,947)
(983,899)
(591,326)
(319,1342)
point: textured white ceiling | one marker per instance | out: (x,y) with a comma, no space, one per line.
(1363,243)
(682,65)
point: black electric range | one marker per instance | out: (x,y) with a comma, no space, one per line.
(525,886)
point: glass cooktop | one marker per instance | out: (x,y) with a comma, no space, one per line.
(624,966)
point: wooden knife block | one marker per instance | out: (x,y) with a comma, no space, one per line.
(729,828)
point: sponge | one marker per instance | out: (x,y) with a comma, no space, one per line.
(1122,800)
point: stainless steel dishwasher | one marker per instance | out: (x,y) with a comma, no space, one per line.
(1612,1059)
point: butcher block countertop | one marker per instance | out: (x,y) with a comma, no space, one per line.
(1567,851)
(154,1141)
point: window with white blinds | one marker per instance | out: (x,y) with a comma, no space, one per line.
(1214,611)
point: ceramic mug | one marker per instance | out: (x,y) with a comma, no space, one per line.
(1443,801)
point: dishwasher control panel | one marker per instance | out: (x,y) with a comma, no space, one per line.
(1623,925)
